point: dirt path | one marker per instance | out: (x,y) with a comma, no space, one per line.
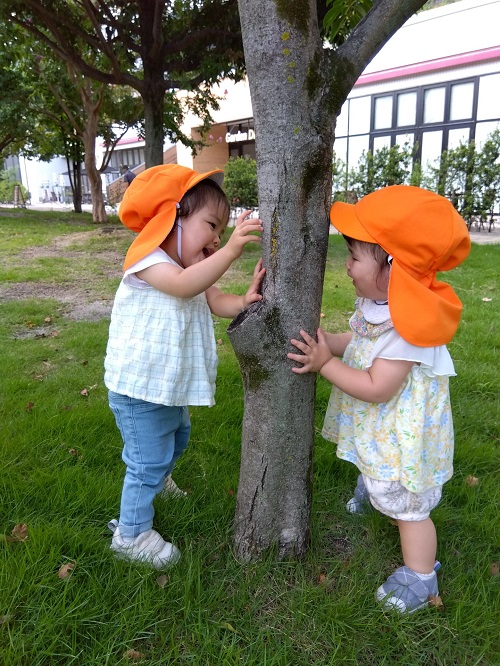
(82,296)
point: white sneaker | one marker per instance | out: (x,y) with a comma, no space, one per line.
(148,547)
(171,489)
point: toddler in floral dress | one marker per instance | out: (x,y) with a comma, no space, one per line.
(389,412)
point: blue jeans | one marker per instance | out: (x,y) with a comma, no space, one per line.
(154,436)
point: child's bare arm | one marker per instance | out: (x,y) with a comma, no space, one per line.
(337,342)
(195,279)
(229,305)
(377,384)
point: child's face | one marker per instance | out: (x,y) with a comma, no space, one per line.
(201,233)
(367,277)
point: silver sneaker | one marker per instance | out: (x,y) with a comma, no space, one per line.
(360,503)
(405,592)
(148,547)
(171,489)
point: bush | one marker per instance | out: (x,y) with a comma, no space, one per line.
(240,182)
(8,181)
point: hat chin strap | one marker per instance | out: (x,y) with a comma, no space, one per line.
(179,239)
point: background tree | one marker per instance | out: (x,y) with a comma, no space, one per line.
(298,84)
(14,108)
(386,166)
(240,182)
(156,48)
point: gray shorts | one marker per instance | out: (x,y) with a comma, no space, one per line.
(394,500)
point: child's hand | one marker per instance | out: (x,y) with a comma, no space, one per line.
(241,234)
(314,354)
(253,294)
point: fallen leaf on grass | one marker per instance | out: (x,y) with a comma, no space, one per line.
(29,406)
(47,320)
(84,392)
(19,533)
(72,452)
(54,334)
(472,481)
(65,570)
(436,602)
(230,492)
(321,579)
(219,341)
(133,654)
(487,300)
(228,626)
(494,569)
(162,580)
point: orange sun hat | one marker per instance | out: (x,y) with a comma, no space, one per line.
(150,205)
(424,234)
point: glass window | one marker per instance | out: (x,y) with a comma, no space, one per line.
(357,144)
(405,139)
(483,130)
(341,128)
(431,147)
(359,115)
(407,109)
(434,105)
(458,136)
(383,112)
(340,149)
(462,97)
(380,142)
(488,103)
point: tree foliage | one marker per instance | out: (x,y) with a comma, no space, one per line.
(156,48)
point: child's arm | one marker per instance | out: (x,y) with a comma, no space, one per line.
(229,305)
(195,279)
(337,342)
(377,384)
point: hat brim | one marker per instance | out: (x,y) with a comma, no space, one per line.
(154,232)
(424,313)
(343,217)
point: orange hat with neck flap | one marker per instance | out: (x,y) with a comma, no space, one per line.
(424,234)
(149,205)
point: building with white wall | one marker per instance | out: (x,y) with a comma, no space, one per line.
(434,84)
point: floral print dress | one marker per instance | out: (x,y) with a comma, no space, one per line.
(409,438)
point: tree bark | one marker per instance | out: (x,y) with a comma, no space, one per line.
(294,144)
(89,137)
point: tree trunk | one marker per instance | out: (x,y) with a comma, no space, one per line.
(93,174)
(153,97)
(294,144)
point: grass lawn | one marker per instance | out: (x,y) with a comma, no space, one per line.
(62,475)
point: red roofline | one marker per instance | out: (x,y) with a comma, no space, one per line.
(430,65)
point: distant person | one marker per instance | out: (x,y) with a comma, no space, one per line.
(389,411)
(128,176)
(161,355)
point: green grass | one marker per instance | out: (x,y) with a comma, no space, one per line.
(62,475)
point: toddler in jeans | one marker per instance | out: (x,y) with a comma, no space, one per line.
(161,353)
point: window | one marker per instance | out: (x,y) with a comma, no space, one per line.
(458,136)
(407,109)
(461,101)
(432,143)
(359,115)
(383,112)
(488,103)
(380,142)
(434,105)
